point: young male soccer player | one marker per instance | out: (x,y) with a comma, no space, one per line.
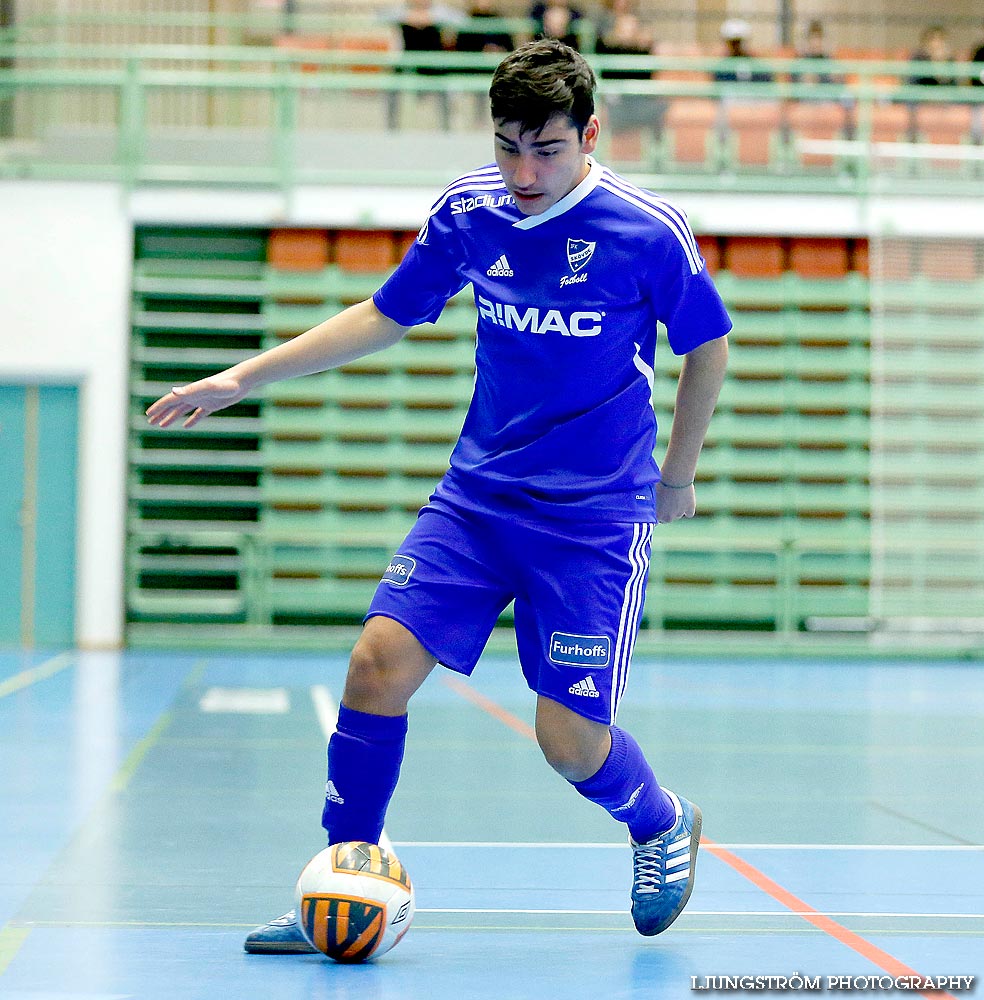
(553,492)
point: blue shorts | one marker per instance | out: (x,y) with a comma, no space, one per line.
(579,589)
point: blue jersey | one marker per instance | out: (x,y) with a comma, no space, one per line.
(561,421)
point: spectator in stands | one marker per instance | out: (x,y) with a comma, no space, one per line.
(734,34)
(476,39)
(814,47)
(557,19)
(934,47)
(977,80)
(421,25)
(622,33)
(977,57)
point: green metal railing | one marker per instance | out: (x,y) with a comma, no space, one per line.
(122,113)
(668,21)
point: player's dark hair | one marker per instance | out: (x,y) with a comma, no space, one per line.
(539,80)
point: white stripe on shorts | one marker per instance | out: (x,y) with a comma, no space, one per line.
(632,600)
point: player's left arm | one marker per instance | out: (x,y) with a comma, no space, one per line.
(699,385)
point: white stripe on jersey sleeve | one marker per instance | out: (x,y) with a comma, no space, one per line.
(681,232)
(656,202)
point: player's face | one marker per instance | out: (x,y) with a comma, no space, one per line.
(539,168)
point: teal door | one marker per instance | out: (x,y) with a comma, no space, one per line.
(38,468)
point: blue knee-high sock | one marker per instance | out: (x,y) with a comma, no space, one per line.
(364,757)
(626,787)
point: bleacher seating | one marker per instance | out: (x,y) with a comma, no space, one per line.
(303,493)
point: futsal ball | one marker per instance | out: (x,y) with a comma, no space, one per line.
(354,901)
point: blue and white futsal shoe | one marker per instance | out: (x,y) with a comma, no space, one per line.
(278,937)
(663,870)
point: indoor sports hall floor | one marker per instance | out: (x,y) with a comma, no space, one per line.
(154,806)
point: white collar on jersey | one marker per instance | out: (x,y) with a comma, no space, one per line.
(566,203)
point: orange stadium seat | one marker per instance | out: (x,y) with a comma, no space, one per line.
(710,250)
(360,250)
(859,258)
(894,260)
(949,260)
(945,125)
(682,75)
(883,81)
(364,43)
(818,257)
(891,124)
(689,131)
(298,249)
(755,256)
(305,43)
(404,241)
(754,130)
(627,146)
(815,120)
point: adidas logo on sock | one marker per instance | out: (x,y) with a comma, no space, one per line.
(500,269)
(585,689)
(331,794)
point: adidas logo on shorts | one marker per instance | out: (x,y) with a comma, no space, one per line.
(585,689)
(331,794)
(500,269)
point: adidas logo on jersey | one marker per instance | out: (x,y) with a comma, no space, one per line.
(500,269)
(331,794)
(585,689)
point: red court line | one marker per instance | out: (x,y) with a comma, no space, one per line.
(760,880)
(488,705)
(819,920)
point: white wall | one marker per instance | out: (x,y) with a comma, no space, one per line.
(65,252)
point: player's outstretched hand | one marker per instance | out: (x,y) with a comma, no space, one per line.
(198,399)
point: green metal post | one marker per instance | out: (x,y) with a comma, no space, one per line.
(132,124)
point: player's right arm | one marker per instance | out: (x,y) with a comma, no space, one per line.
(357,331)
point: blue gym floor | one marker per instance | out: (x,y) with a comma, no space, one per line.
(154,806)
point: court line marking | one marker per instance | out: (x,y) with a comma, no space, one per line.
(26,927)
(542,911)
(326,709)
(548,845)
(35,674)
(13,937)
(794,904)
(135,757)
(921,824)
(714,913)
(855,942)
(143,746)
(469,693)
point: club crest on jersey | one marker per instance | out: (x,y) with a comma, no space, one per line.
(579,252)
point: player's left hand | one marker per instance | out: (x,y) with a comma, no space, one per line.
(672,504)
